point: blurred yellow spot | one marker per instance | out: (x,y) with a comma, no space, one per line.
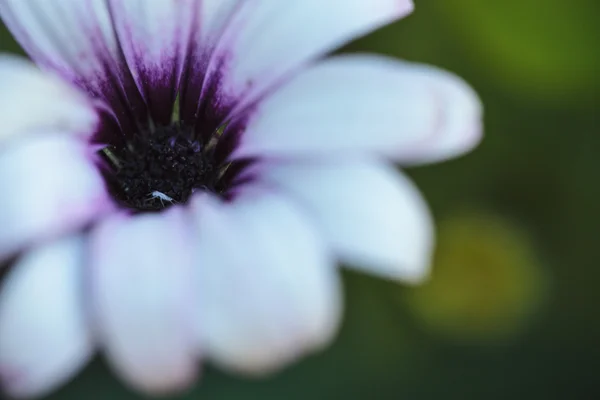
(486,283)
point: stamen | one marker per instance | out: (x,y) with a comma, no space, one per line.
(159,168)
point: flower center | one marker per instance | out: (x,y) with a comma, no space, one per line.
(161,167)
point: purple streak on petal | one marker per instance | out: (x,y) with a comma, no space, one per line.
(235,174)
(109,131)
(121,95)
(228,142)
(204,102)
(214,105)
(130,93)
(113,88)
(192,81)
(157,82)
(204,98)
(112,83)
(161,89)
(232,135)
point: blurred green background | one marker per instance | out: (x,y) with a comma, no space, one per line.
(512,308)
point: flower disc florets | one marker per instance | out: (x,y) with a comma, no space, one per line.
(160,167)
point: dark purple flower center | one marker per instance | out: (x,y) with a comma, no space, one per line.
(161,167)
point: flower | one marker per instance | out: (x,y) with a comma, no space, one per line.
(182,179)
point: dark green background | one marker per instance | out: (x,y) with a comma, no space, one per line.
(535,64)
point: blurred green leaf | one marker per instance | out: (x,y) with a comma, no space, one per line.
(547,49)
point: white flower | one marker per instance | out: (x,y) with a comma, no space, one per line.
(215,236)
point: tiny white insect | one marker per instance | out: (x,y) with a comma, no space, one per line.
(162,197)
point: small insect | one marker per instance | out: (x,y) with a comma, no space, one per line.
(162,197)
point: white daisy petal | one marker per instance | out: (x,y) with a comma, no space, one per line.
(44,339)
(73,36)
(155,37)
(372,216)
(215,14)
(31,100)
(460,113)
(355,104)
(76,39)
(267,40)
(268,291)
(49,187)
(141,289)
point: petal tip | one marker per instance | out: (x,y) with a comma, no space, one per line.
(171,382)
(406,7)
(418,276)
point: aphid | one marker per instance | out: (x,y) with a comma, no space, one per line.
(162,197)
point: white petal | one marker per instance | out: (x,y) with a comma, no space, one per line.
(49,187)
(215,15)
(141,288)
(44,338)
(61,33)
(268,40)
(31,100)
(460,113)
(76,39)
(155,37)
(267,289)
(372,215)
(364,103)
